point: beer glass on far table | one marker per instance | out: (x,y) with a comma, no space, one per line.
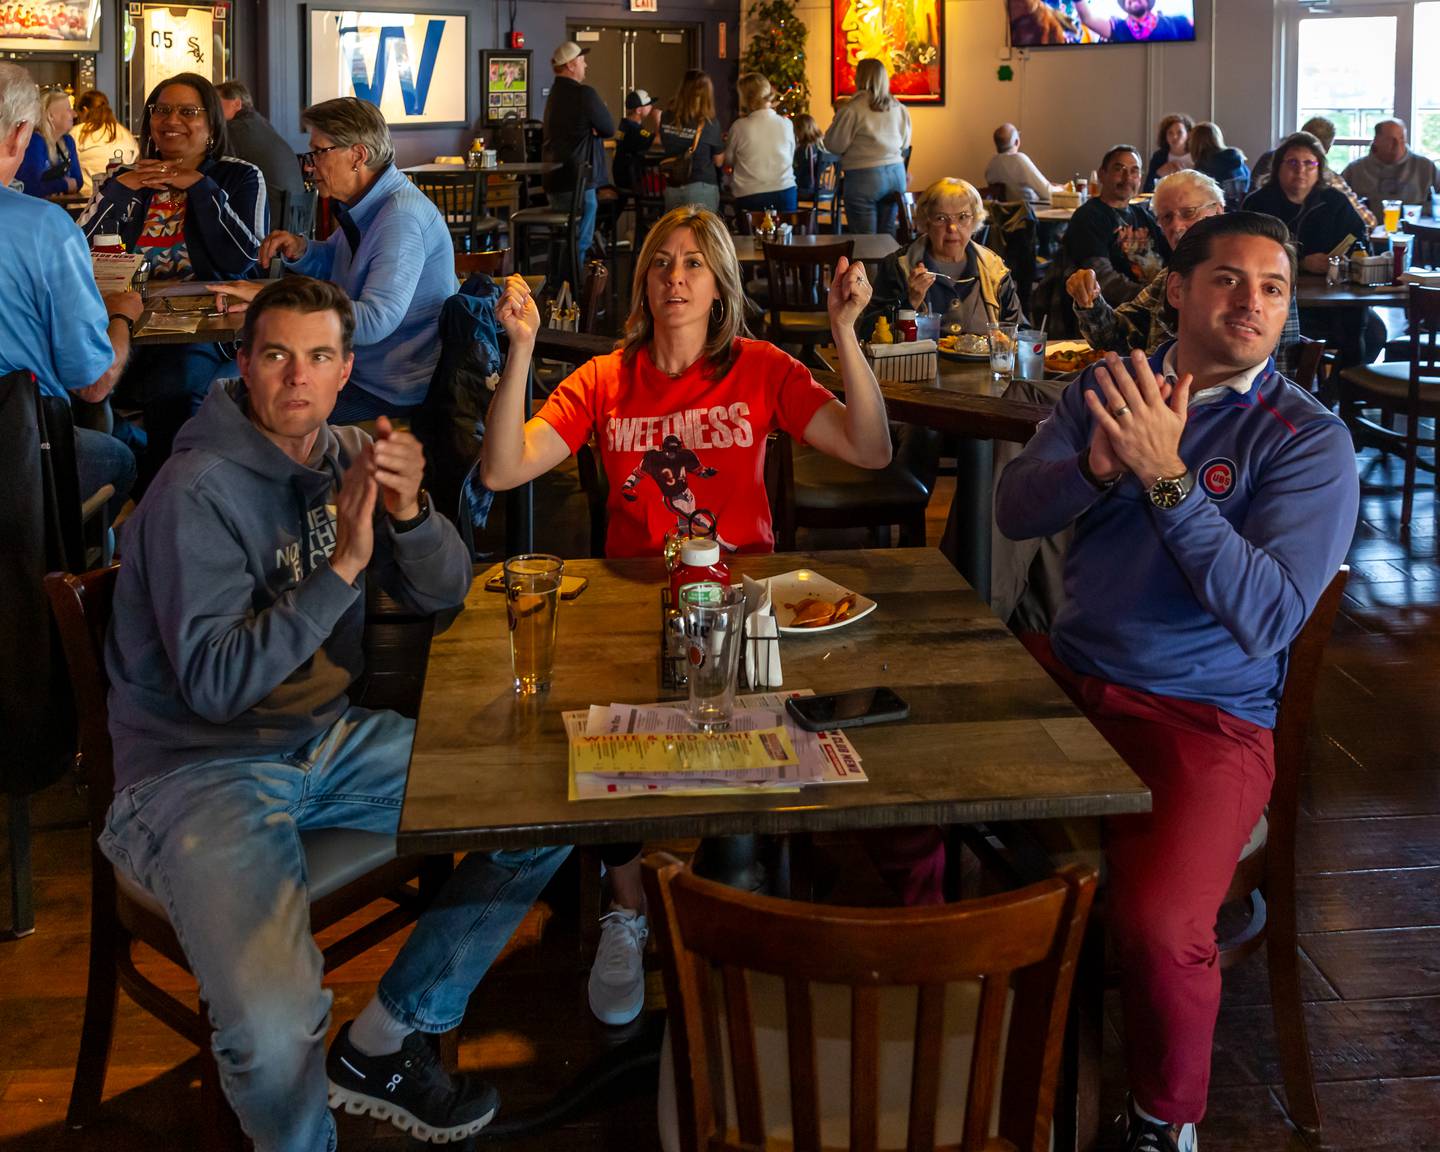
(532,609)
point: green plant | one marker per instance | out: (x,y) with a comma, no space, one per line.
(777,51)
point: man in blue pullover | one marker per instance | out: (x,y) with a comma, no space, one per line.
(1212,501)
(235,638)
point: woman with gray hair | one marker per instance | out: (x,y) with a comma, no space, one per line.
(945,266)
(870,134)
(391,253)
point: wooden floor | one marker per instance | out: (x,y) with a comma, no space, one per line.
(1369,914)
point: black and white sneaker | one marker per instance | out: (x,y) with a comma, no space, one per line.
(1145,1135)
(410,1088)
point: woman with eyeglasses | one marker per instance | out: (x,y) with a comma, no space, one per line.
(391,253)
(945,266)
(195,214)
(1319,218)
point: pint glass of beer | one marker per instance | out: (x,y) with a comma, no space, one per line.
(532,609)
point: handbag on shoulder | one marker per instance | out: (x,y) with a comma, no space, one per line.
(679,170)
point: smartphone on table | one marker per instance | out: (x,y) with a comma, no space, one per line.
(846,709)
(570,586)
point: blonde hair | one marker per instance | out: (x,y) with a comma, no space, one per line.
(717,249)
(871,78)
(944,188)
(695,102)
(806,130)
(52,138)
(349,121)
(755,92)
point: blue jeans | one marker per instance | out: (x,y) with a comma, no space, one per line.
(585,230)
(701,193)
(783,200)
(864,189)
(101,459)
(218,843)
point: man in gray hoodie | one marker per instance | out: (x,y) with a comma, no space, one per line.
(236,635)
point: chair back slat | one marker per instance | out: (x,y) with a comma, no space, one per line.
(1426,252)
(1423,314)
(800,275)
(82,605)
(1032,935)
(1307,363)
(744,1064)
(985,1059)
(864,1069)
(925,1077)
(804,1082)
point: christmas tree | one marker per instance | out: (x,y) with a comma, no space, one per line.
(777,51)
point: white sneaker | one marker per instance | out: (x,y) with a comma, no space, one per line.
(617,978)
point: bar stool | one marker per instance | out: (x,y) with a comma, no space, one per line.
(559,229)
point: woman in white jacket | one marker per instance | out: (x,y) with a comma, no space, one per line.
(100,138)
(761,149)
(870,134)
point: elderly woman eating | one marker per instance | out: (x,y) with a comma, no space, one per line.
(944,272)
(392,254)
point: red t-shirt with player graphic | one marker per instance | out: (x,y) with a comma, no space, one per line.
(691,444)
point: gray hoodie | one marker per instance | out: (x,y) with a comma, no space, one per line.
(231,634)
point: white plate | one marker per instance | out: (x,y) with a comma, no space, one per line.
(793,587)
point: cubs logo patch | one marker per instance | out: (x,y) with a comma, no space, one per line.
(1218,478)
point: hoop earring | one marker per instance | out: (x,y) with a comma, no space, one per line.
(717,317)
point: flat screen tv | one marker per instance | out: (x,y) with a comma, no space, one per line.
(1043,23)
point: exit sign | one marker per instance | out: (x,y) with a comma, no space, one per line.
(644,5)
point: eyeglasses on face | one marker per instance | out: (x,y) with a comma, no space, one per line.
(1187,213)
(184,111)
(1298,165)
(945,219)
(309,157)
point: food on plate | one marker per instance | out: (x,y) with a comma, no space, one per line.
(1072,359)
(813,612)
(965,344)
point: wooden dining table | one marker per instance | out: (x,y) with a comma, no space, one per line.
(1312,292)
(989,735)
(870,247)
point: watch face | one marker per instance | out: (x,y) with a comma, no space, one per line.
(1167,493)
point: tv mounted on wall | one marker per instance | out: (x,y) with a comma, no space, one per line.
(1043,23)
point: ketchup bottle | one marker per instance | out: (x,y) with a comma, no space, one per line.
(906,330)
(700,566)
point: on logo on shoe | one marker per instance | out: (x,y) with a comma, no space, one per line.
(1218,478)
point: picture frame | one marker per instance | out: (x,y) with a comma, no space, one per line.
(50,26)
(414,65)
(908,35)
(505,83)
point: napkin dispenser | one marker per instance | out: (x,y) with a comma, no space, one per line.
(1372,270)
(911,361)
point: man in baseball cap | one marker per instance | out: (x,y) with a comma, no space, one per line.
(575,128)
(565,55)
(637,134)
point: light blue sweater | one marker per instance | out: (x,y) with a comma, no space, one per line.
(398,275)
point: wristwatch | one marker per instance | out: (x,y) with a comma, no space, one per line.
(415,521)
(1168,491)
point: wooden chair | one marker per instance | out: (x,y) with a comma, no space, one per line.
(560,229)
(494,263)
(1426,252)
(802,220)
(763,991)
(1408,388)
(1264,880)
(460,198)
(799,279)
(992,192)
(827,190)
(347,871)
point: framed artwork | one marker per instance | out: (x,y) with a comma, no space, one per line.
(505,84)
(50,26)
(167,38)
(908,35)
(413,65)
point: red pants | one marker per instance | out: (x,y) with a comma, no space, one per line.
(1209,775)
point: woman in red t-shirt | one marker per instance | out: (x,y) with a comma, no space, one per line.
(679,414)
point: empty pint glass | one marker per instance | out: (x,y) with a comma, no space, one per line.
(532,609)
(1002,350)
(713,620)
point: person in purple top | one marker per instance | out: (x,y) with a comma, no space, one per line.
(1140,24)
